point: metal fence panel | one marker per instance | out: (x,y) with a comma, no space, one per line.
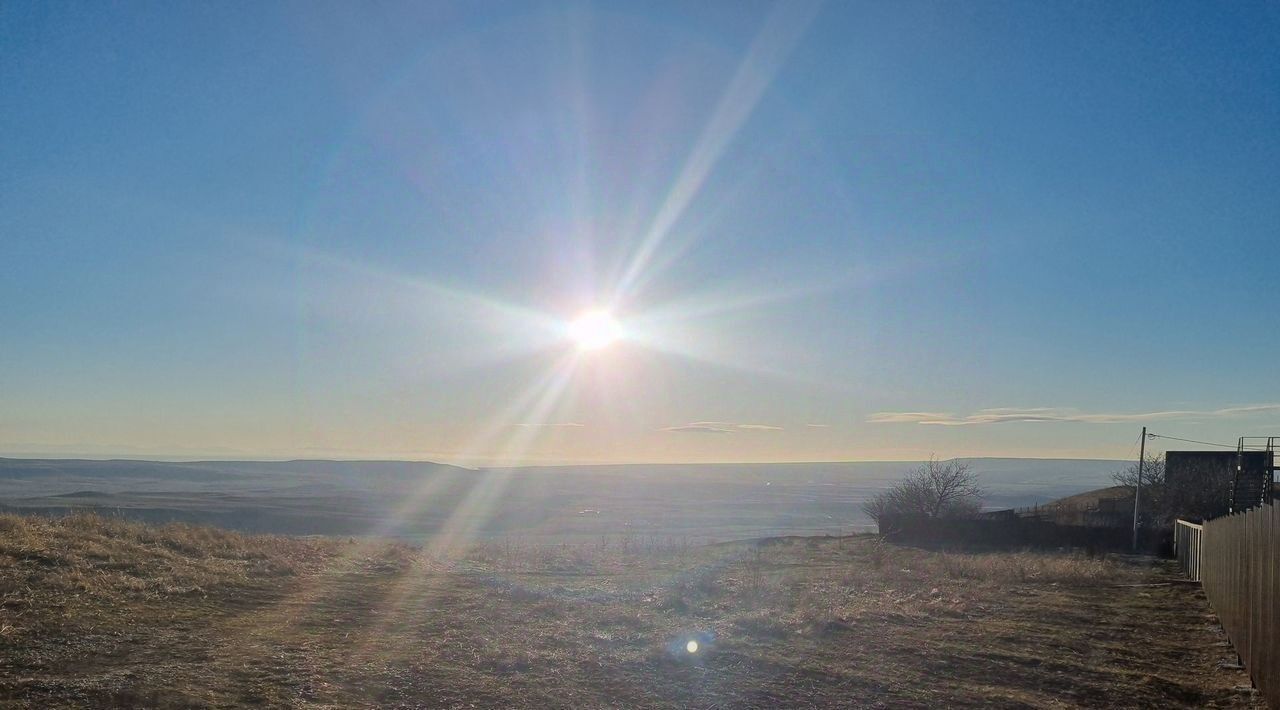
(1186,544)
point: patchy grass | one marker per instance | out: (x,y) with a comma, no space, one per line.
(97,612)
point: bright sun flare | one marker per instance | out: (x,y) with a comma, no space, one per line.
(594,330)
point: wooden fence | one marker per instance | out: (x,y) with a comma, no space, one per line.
(1239,566)
(1187,539)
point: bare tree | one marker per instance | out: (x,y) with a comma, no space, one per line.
(1152,473)
(935,490)
(1194,494)
(1154,503)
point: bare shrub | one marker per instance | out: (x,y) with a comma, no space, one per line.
(936,490)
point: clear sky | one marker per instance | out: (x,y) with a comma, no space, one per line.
(826,232)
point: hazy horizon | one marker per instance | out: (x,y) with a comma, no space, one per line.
(434,501)
(196,458)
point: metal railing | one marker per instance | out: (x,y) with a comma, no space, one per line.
(1187,539)
(1254,480)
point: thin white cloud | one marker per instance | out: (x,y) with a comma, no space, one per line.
(553,425)
(1002,415)
(819,426)
(721,427)
(702,428)
(907,417)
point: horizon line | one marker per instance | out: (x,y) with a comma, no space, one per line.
(23,456)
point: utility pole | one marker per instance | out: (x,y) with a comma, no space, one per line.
(1137,487)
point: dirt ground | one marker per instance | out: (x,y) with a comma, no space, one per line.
(103,613)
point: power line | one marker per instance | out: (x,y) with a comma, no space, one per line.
(1192,441)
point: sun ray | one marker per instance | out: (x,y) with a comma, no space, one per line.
(693,353)
(781,31)
(440,295)
(487,486)
(472,511)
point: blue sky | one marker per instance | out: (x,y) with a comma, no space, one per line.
(342,229)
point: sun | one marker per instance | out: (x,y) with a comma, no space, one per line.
(594,330)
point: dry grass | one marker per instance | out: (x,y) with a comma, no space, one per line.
(1023,567)
(89,558)
(99,613)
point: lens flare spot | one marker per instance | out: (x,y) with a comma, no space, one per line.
(594,330)
(691,647)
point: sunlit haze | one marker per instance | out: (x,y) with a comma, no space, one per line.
(636,232)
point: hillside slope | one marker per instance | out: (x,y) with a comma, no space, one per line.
(103,613)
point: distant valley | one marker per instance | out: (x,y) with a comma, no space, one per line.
(418,500)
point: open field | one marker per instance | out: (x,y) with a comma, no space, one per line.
(98,613)
(418,500)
